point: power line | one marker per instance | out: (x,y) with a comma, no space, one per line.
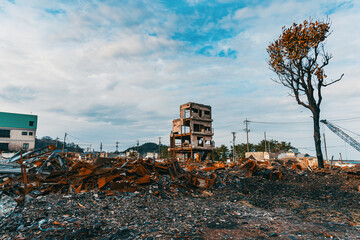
(313,148)
(346,119)
(280,122)
(75,137)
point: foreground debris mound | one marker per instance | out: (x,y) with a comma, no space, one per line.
(45,172)
(112,198)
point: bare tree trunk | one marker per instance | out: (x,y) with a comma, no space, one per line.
(317,137)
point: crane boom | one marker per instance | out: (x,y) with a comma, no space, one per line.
(355,144)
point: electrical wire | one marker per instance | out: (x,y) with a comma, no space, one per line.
(280,122)
(75,137)
(346,119)
(336,120)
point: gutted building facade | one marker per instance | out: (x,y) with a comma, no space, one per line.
(191,135)
(17,131)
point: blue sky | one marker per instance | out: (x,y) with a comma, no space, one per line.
(107,71)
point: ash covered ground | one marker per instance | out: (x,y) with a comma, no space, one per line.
(302,205)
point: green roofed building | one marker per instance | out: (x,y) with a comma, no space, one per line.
(17,131)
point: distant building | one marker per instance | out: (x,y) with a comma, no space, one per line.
(192,132)
(132,153)
(260,155)
(292,156)
(291,153)
(17,131)
(152,155)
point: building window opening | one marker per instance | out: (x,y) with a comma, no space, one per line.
(185,129)
(4,133)
(200,141)
(186,143)
(31,123)
(208,143)
(31,133)
(186,113)
(4,147)
(25,146)
(196,127)
(24,133)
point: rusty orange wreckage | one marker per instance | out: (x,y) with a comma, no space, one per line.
(46,171)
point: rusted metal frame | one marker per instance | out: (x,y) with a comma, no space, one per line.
(23,173)
(181,137)
(173,144)
(196,180)
(154,170)
(191,147)
(176,167)
(172,173)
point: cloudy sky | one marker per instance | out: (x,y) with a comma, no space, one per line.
(107,71)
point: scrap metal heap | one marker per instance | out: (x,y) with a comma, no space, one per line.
(47,171)
(44,171)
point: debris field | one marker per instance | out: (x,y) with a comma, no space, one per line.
(59,196)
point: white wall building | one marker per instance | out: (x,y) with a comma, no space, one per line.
(17,131)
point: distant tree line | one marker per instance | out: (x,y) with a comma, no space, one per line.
(46,141)
(150,147)
(223,152)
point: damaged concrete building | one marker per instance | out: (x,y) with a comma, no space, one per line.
(192,133)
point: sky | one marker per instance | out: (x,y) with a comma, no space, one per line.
(108,71)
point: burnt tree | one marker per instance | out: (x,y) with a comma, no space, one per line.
(298,57)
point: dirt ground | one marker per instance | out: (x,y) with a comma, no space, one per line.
(302,205)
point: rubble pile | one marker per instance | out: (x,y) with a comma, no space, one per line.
(61,196)
(50,172)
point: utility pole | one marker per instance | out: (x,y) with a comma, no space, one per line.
(101,147)
(341,158)
(159,147)
(137,149)
(117,147)
(332,158)
(64,143)
(265,140)
(247,130)
(233,133)
(56,141)
(327,160)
